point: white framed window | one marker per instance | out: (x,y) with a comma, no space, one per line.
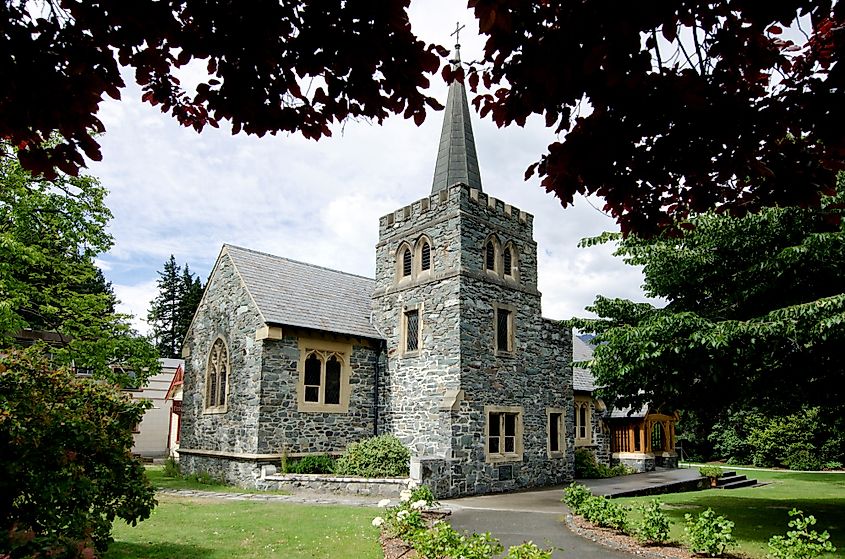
(503,433)
(503,329)
(583,421)
(324,372)
(556,430)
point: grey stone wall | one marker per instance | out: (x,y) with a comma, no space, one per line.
(281,426)
(227,311)
(458,299)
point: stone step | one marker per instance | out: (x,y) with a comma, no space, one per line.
(725,480)
(737,484)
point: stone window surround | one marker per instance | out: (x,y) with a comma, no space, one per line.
(499,249)
(516,456)
(403,320)
(511,329)
(343,352)
(223,408)
(583,402)
(417,273)
(561,433)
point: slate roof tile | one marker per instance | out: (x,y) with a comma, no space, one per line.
(294,293)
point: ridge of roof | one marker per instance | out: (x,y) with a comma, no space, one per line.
(293,261)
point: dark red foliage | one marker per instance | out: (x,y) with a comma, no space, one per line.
(741,117)
(272,66)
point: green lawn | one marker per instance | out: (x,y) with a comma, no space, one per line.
(762,512)
(211,529)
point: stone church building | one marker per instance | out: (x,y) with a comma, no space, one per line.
(446,348)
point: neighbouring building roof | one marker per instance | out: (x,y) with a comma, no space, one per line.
(582,378)
(294,293)
(457,160)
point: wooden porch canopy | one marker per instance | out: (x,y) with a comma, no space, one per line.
(648,433)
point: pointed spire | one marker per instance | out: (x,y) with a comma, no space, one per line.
(456,157)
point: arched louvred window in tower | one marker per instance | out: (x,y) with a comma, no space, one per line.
(490,256)
(507,261)
(425,256)
(406,263)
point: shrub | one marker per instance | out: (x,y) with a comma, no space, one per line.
(709,533)
(654,526)
(312,464)
(711,471)
(587,467)
(382,456)
(528,550)
(171,468)
(438,542)
(603,512)
(422,493)
(575,495)
(66,470)
(205,478)
(801,542)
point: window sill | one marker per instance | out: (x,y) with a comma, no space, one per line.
(415,353)
(557,454)
(583,443)
(215,411)
(321,408)
(501,458)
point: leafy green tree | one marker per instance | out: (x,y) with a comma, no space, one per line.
(171,312)
(50,233)
(67,472)
(755,315)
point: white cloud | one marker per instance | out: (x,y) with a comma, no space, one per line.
(174,191)
(135,300)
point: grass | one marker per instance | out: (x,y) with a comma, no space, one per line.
(156,476)
(218,529)
(762,512)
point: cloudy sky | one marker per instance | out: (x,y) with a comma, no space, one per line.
(174,191)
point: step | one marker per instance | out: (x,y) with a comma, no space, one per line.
(724,480)
(738,484)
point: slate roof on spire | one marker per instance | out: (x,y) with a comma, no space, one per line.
(457,160)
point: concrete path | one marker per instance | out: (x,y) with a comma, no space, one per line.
(539,515)
(536,516)
(659,481)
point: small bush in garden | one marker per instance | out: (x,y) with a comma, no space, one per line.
(437,542)
(711,471)
(603,512)
(654,526)
(528,550)
(171,468)
(401,521)
(478,546)
(205,478)
(312,464)
(709,533)
(382,456)
(801,542)
(422,493)
(575,495)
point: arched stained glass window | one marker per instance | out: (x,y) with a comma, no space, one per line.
(425,256)
(217,375)
(507,261)
(406,263)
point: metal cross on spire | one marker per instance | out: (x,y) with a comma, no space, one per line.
(457,34)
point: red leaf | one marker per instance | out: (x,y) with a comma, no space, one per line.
(775,30)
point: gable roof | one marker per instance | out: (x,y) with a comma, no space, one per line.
(582,378)
(294,293)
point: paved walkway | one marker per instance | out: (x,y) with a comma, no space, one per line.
(539,515)
(659,481)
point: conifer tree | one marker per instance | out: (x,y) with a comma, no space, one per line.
(163,315)
(171,312)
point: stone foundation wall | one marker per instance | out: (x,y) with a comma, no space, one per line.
(231,471)
(315,483)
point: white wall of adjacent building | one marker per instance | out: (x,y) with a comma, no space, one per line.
(151,440)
